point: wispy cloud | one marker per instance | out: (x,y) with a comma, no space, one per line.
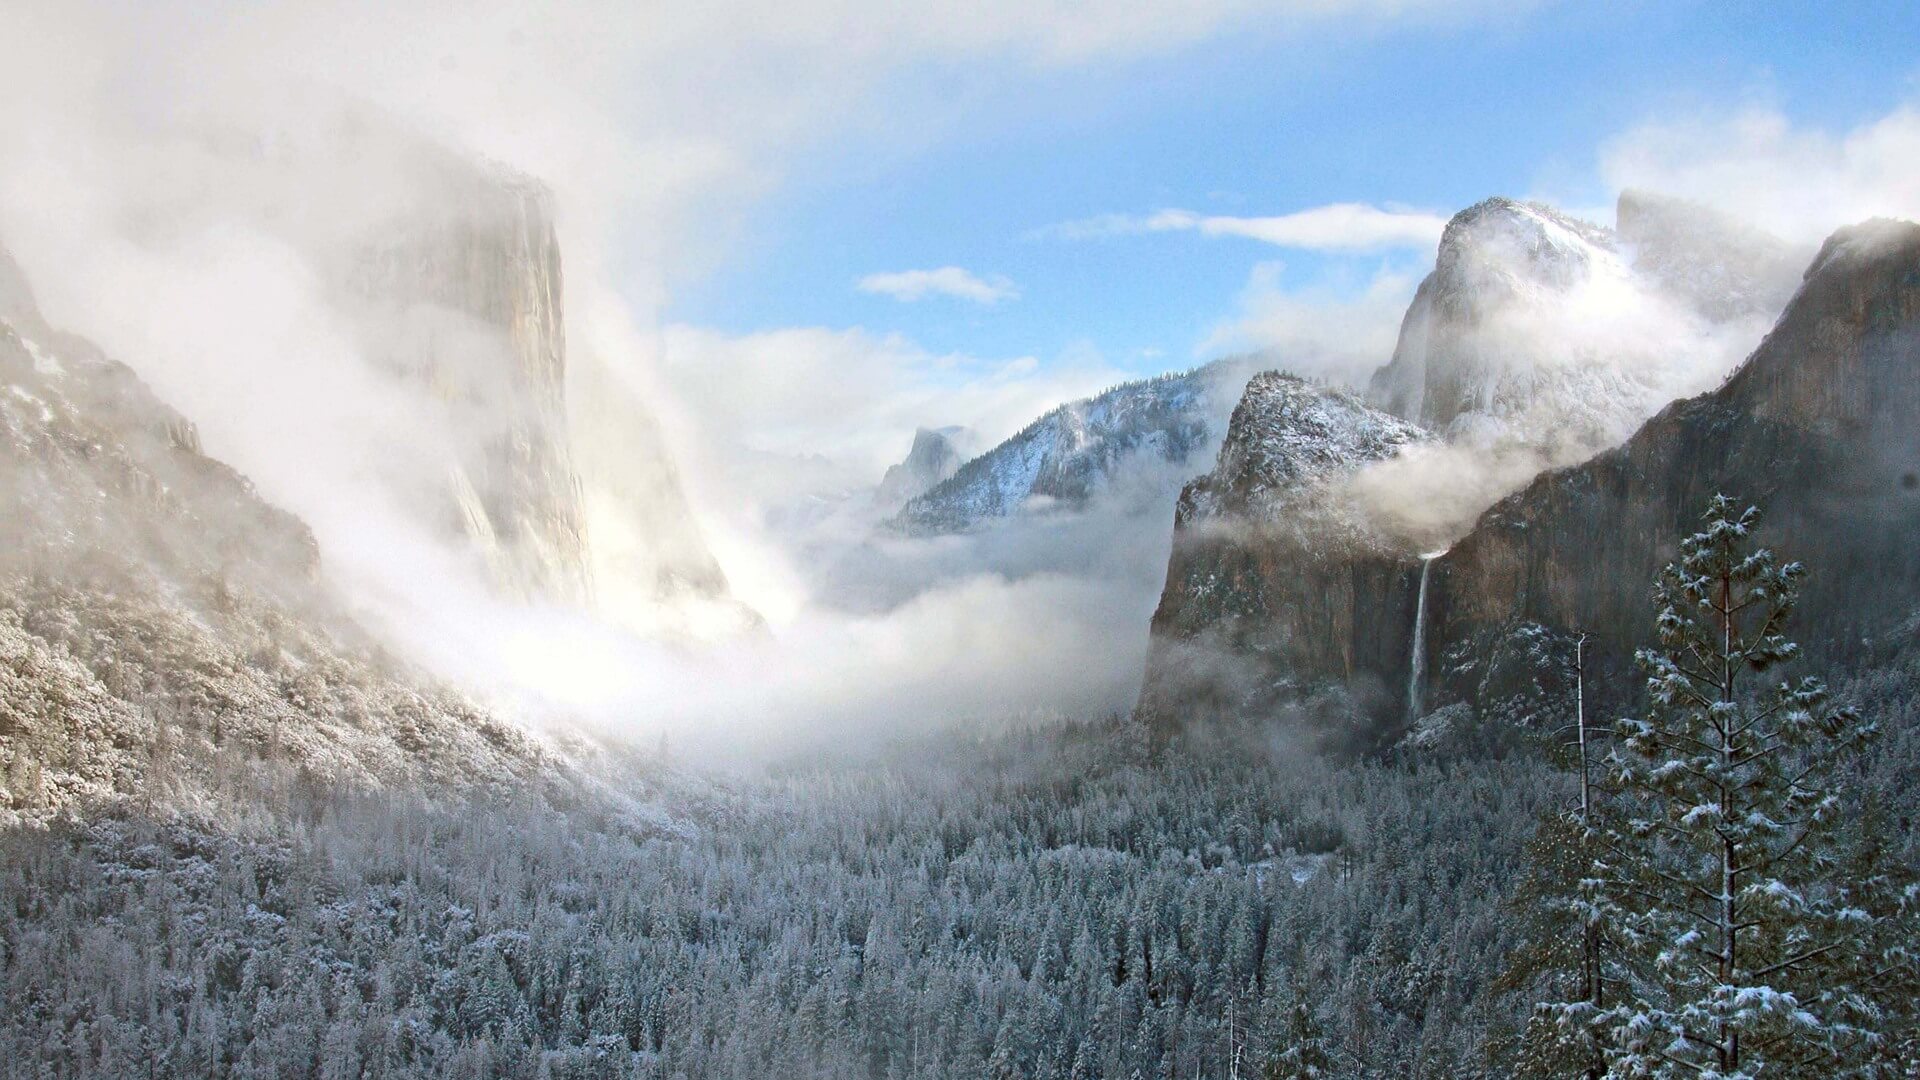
(911,285)
(1799,180)
(1347,227)
(1331,330)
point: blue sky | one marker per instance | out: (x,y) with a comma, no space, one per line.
(1431,117)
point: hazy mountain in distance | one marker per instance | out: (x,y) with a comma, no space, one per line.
(936,454)
(1082,447)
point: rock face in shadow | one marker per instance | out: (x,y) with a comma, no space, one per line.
(1818,427)
(1273,572)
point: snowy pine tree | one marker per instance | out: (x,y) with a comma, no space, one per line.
(1562,953)
(1746,949)
(1303,1050)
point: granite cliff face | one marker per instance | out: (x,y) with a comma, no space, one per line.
(1817,428)
(466,300)
(937,454)
(1274,570)
(555,470)
(165,631)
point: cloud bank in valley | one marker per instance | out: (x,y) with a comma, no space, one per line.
(170,179)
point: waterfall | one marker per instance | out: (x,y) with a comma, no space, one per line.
(1417,670)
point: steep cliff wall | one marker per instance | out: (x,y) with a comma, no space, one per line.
(1818,427)
(1274,570)
(466,298)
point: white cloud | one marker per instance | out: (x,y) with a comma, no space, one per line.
(1322,331)
(120,125)
(911,285)
(1798,181)
(854,396)
(1341,227)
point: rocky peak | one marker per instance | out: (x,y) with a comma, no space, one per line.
(937,454)
(1274,570)
(1285,434)
(1521,246)
(1499,261)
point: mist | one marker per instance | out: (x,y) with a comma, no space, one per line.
(197,195)
(184,188)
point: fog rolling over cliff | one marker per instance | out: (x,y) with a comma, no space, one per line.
(465,298)
(1540,339)
(1537,341)
(399,367)
(167,634)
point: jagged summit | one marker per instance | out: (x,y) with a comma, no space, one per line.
(1086,446)
(1285,434)
(1273,564)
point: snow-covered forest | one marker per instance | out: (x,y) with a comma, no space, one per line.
(1147,540)
(1064,903)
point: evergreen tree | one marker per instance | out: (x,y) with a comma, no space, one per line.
(1562,911)
(1746,951)
(1303,1049)
(1560,954)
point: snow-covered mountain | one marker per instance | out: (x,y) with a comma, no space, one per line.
(1287,440)
(1270,553)
(164,630)
(1537,341)
(1546,339)
(1086,446)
